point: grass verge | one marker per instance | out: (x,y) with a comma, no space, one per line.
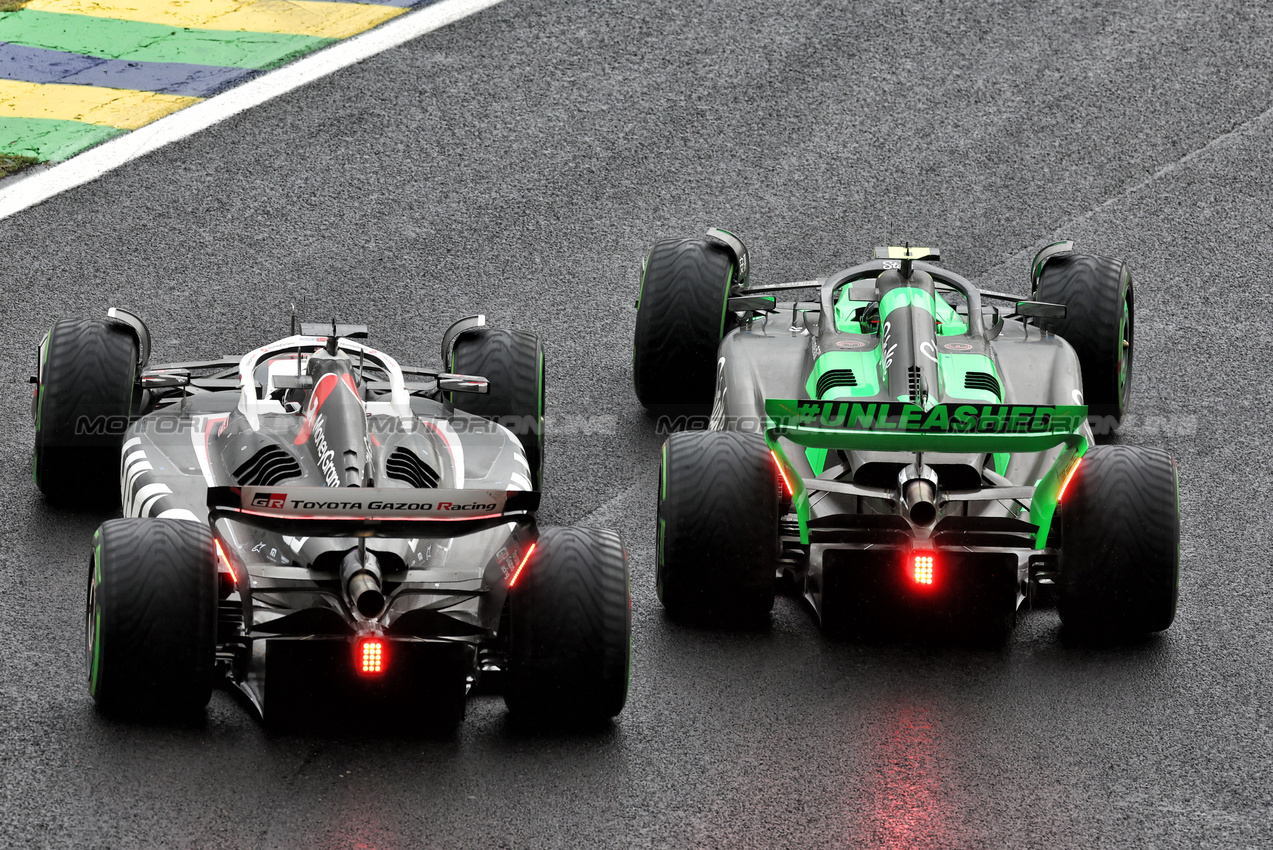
(13,163)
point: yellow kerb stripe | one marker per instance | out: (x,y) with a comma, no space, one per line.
(122,108)
(295,17)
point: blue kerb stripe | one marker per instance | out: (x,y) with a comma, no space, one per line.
(38,65)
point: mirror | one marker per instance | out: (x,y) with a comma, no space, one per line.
(463,384)
(758,303)
(1040,310)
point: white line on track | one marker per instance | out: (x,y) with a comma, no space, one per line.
(25,192)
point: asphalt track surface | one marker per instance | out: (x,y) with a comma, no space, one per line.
(519,163)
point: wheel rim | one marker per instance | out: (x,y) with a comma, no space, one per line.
(91,630)
(1124,351)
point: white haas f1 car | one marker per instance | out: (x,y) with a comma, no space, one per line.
(313,528)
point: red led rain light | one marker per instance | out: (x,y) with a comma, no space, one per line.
(517,572)
(1068,476)
(225,561)
(371,656)
(786,482)
(922,566)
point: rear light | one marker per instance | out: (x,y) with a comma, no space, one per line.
(1074,467)
(923,562)
(371,656)
(224,560)
(517,572)
(782,473)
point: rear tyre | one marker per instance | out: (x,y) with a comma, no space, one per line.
(717,526)
(570,628)
(151,623)
(513,362)
(88,375)
(1120,543)
(1099,325)
(681,318)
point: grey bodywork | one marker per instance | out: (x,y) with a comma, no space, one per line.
(225,431)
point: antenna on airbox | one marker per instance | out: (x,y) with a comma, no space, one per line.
(906,263)
(333,341)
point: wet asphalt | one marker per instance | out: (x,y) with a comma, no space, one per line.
(519,164)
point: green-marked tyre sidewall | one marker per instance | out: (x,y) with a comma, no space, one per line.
(93,619)
(682,315)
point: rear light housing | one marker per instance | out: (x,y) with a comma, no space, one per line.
(371,656)
(922,567)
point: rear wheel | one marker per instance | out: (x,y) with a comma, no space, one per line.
(1120,543)
(717,526)
(570,627)
(681,318)
(513,362)
(1099,325)
(88,375)
(151,622)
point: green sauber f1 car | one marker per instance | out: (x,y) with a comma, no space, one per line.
(900,451)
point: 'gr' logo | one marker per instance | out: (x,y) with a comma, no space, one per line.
(269,500)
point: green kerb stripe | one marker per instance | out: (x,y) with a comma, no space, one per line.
(115,39)
(48,139)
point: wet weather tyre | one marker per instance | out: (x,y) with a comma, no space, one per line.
(1099,325)
(151,617)
(513,362)
(681,318)
(1120,543)
(570,626)
(87,380)
(718,512)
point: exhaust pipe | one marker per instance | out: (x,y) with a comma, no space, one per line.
(364,590)
(917,484)
(918,496)
(361,574)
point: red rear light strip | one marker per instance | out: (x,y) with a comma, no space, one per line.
(1074,467)
(786,482)
(517,572)
(225,561)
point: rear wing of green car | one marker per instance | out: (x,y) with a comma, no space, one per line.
(957,428)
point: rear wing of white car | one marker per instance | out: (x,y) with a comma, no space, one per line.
(363,511)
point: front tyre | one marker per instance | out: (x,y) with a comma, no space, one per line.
(151,620)
(570,628)
(87,379)
(513,362)
(681,318)
(1120,543)
(718,513)
(1099,325)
